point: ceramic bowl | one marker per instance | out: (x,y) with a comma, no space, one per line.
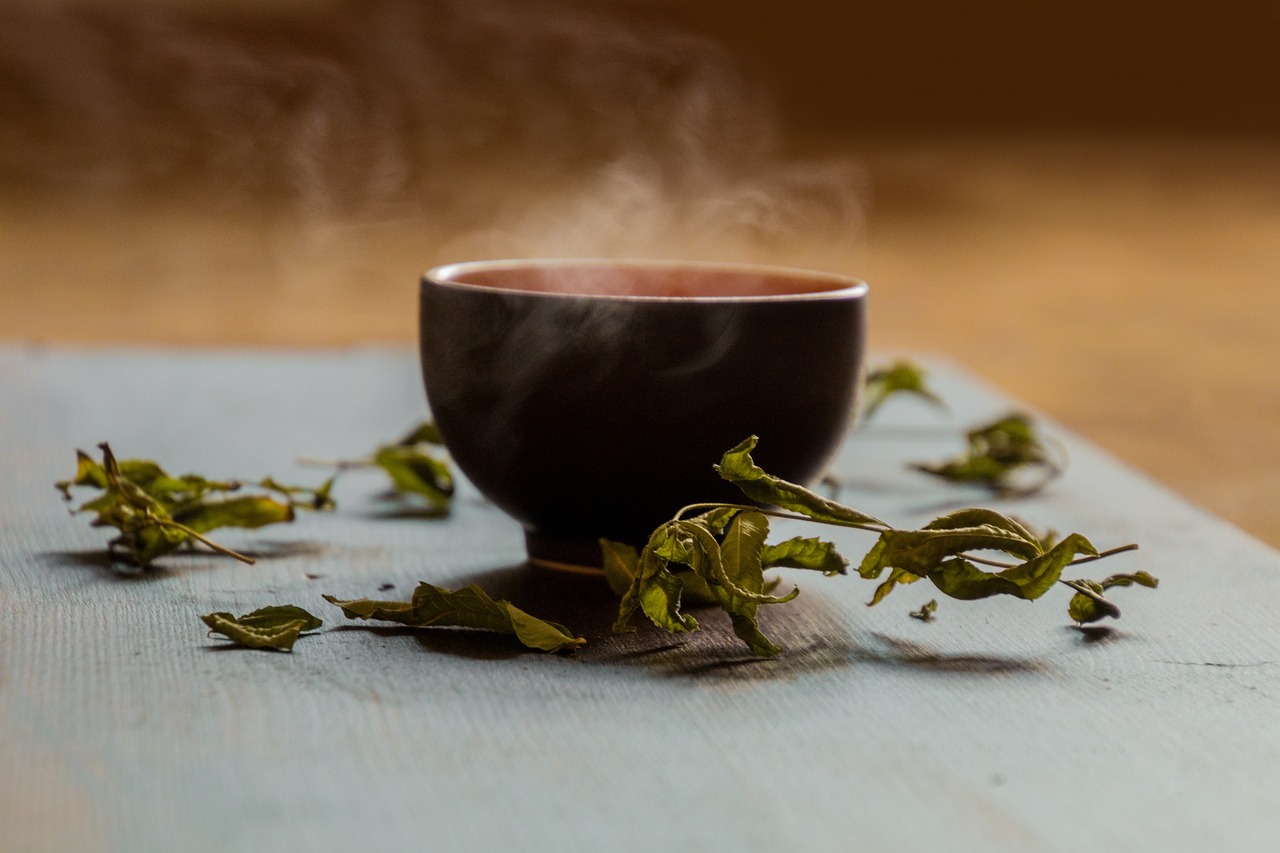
(590,399)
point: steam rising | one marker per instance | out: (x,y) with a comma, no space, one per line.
(502,128)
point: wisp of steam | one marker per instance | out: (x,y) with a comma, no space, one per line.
(526,128)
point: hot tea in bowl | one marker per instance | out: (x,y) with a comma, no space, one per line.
(590,399)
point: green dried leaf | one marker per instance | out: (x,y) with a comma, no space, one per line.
(470,607)
(620,563)
(706,559)
(265,617)
(382,611)
(318,499)
(649,565)
(249,511)
(1089,605)
(925,613)
(901,377)
(728,573)
(739,468)
(414,472)
(725,549)
(803,552)
(660,601)
(267,628)
(978,517)
(959,578)
(996,453)
(156,513)
(740,561)
(921,551)
(424,433)
(896,578)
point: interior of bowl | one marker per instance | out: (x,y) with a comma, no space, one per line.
(646,280)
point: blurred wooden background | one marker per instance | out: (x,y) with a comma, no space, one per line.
(1079,201)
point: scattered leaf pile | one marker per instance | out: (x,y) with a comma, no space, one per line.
(997,456)
(724,548)
(156,513)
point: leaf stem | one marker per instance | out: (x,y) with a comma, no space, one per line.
(340,464)
(177,525)
(777,513)
(1000,564)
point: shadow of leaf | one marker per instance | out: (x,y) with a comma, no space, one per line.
(462,642)
(284,549)
(407,512)
(1092,634)
(100,561)
(907,653)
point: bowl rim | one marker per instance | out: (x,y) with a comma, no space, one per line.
(442,276)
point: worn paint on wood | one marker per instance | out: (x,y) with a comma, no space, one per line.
(997,727)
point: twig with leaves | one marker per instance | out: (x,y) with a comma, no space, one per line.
(156,513)
(724,547)
(414,468)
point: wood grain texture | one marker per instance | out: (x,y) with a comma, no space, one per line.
(997,727)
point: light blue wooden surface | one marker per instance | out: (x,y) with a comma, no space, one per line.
(997,727)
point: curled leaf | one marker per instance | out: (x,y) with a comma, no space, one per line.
(249,511)
(620,563)
(995,455)
(414,472)
(901,377)
(803,552)
(959,578)
(424,433)
(470,607)
(741,563)
(266,628)
(921,551)
(926,612)
(739,468)
(1089,604)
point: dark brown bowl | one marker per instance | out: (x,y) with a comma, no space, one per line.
(591,398)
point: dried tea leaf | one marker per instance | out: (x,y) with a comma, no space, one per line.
(266,628)
(926,612)
(803,552)
(901,377)
(1089,604)
(739,468)
(723,568)
(424,433)
(470,607)
(995,455)
(740,560)
(317,499)
(382,611)
(620,563)
(660,601)
(249,511)
(156,513)
(730,559)
(920,551)
(959,578)
(414,472)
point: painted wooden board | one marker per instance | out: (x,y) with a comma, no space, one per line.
(997,727)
